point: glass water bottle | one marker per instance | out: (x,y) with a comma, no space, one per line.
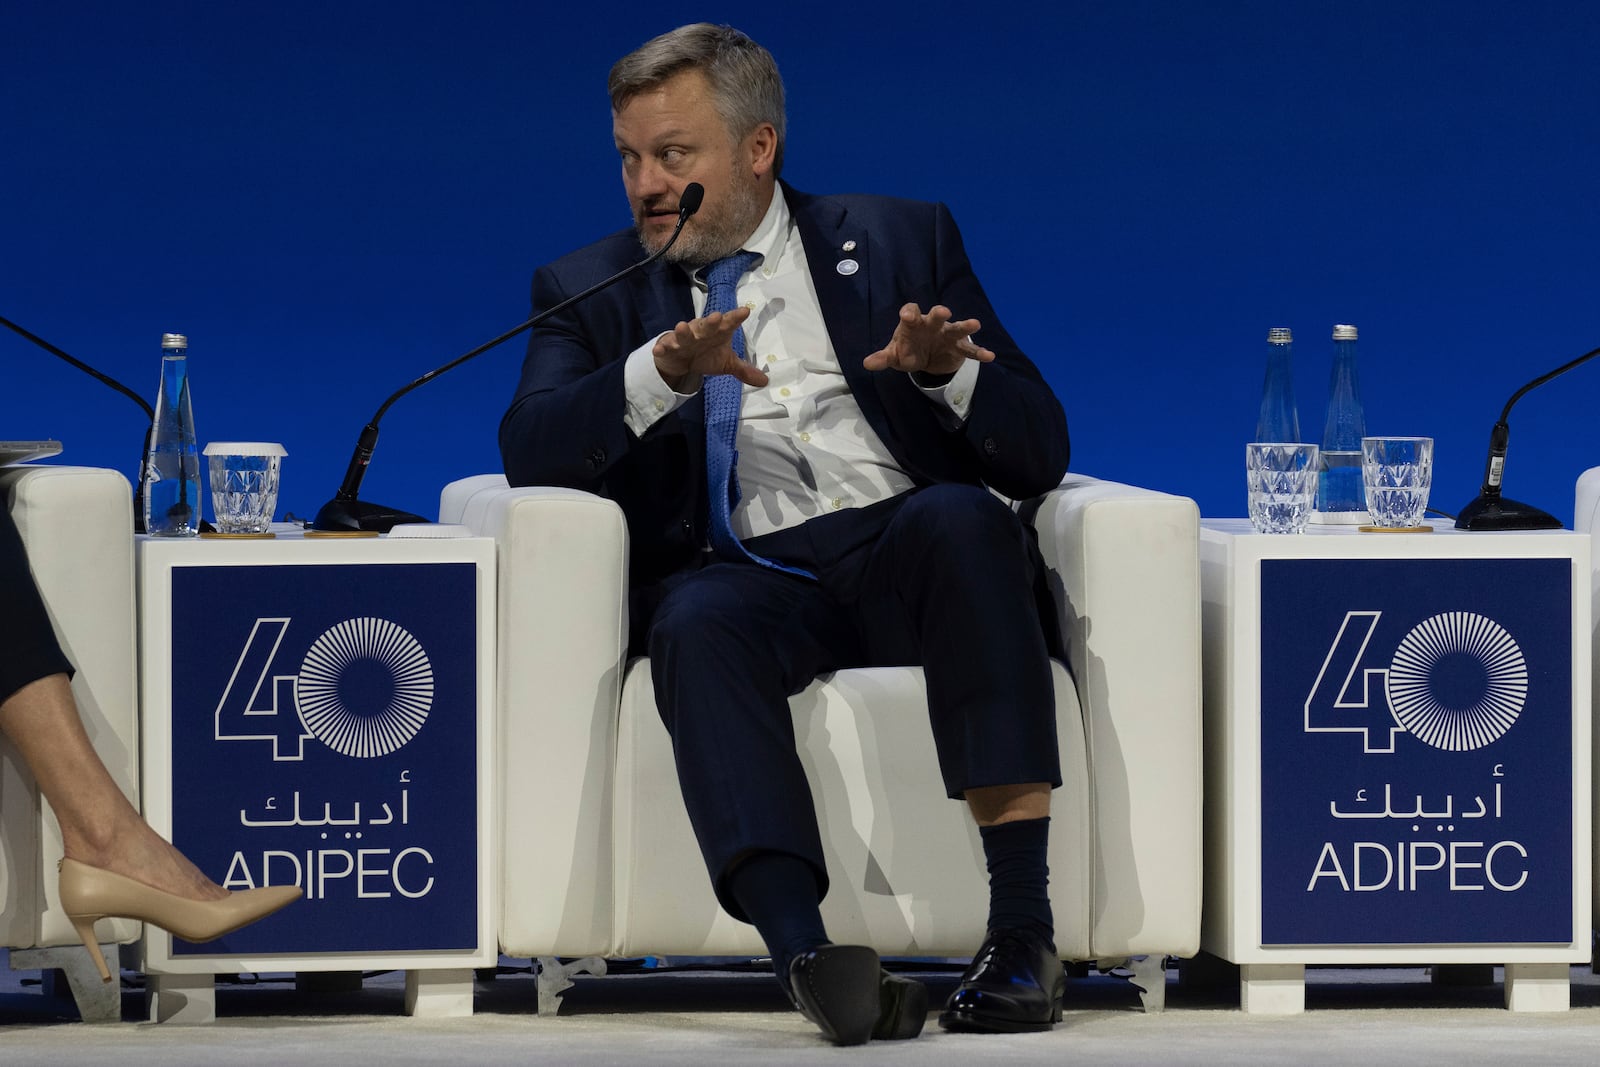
(1280,419)
(172,464)
(1341,497)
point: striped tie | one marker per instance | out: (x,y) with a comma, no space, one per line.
(723,393)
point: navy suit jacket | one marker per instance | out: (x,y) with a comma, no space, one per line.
(565,426)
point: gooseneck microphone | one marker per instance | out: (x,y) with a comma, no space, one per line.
(1491,511)
(348,514)
(149,412)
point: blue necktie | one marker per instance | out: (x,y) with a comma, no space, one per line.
(723,393)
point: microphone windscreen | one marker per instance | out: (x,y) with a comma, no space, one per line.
(689,199)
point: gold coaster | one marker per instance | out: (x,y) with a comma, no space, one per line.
(217,535)
(341,533)
(1397,529)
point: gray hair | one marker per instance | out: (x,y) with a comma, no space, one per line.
(743,75)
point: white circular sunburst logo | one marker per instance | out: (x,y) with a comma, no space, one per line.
(1458,681)
(365,687)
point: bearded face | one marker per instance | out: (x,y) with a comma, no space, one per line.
(671,135)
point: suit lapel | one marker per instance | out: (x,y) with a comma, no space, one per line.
(661,297)
(839,255)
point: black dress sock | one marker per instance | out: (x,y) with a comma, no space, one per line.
(1019,876)
(778,893)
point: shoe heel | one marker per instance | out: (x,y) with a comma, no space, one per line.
(84,925)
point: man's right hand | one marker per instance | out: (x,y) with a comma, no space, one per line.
(695,349)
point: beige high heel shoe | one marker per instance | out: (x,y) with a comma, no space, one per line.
(89,894)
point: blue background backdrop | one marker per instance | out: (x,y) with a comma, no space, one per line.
(332,197)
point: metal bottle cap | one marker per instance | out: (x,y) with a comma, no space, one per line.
(174,340)
(1344,333)
(1279,335)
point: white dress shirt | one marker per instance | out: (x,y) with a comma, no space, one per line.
(804,446)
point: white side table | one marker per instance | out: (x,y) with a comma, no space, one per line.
(1397,755)
(319,712)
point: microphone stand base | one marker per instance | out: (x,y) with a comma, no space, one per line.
(1497,513)
(352,516)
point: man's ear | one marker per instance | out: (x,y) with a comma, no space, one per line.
(762,144)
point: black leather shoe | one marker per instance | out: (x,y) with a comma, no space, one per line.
(1015,984)
(844,990)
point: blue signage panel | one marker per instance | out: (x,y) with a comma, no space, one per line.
(324,734)
(1416,751)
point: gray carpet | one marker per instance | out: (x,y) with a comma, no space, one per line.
(1371,1016)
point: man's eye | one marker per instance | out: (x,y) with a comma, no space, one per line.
(673,155)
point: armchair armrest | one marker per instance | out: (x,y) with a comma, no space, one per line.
(77,523)
(1125,575)
(564,628)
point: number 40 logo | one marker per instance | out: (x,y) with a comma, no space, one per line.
(1457,681)
(364,688)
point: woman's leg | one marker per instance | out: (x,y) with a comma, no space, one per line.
(99,826)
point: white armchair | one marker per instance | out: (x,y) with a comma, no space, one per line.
(1586,520)
(78,525)
(597,855)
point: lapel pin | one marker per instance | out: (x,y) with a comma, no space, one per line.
(847,267)
(849,246)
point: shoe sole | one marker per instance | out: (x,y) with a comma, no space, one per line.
(902,1011)
(840,993)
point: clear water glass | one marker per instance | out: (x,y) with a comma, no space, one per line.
(1397,473)
(244,484)
(1281,483)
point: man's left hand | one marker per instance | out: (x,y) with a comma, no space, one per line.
(929,344)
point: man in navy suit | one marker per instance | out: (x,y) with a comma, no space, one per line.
(816,339)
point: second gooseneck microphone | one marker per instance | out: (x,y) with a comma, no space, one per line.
(347,513)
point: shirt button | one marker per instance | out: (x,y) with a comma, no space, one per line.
(750,305)
(773,357)
(959,398)
(805,437)
(784,391)
(766,272)
(659,406)
(837,503)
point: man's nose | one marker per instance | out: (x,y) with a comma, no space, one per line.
(650,181)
